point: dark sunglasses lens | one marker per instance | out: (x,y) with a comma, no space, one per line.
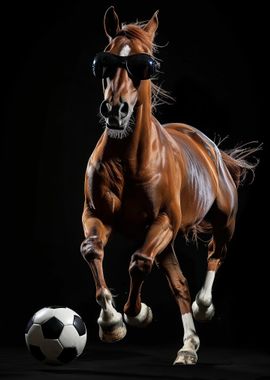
(139,66)
(104,65)
(142,66)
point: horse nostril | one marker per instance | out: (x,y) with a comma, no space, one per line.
(105,108)
(123,110)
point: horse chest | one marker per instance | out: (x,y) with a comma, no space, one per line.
(136,212)
(137,205)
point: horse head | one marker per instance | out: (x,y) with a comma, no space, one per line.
(126,66)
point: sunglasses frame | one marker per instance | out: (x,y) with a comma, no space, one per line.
(123,62)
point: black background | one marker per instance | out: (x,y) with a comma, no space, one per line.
(214,65)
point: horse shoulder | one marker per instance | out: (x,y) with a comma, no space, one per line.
(103,186)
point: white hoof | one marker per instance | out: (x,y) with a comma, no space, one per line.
(114,333)
(203,313)
(187,354)
(113,329)
(143,319)
(186,357)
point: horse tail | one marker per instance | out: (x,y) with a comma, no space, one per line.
(238,164)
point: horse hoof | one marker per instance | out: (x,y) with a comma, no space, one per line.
(112,333)
(186,358)
(202,313)
(143,319)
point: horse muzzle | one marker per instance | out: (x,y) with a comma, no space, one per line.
(115,115)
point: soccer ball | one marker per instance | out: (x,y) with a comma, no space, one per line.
(56,335)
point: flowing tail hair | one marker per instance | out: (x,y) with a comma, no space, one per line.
(237,163)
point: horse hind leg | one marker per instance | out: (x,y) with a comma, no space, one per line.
(203,308)
(167,261)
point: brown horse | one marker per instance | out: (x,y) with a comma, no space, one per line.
(152,182)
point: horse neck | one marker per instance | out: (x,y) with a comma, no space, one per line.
(141,139)
(135,150)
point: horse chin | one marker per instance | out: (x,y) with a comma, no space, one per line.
(121,130)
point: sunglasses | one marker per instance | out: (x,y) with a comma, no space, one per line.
(139,66)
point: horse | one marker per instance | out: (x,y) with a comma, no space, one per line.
(152,182)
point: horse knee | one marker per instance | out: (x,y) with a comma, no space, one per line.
(140,265)
(92,249)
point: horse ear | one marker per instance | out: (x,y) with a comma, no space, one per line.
(152,25)
(111,23)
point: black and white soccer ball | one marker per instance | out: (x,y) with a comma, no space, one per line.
(56,335)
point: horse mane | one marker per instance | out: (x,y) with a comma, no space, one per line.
(136,31)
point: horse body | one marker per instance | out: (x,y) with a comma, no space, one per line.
(151,182)
(180,178)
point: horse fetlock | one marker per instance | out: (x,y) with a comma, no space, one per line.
(111,325)
(192,342)
(201,312)
(204,300)
(143,319)
(104,298)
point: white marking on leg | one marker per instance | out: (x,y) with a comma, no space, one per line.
(205,294)
(108,314)
(188,325)
(142,319)
(187,354)
(125,51)
(111,325)
(202,307)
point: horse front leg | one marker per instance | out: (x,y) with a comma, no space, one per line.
(111,325)
(158,237)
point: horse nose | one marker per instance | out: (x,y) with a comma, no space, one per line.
(123,109)
(117,111)
(105,108)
